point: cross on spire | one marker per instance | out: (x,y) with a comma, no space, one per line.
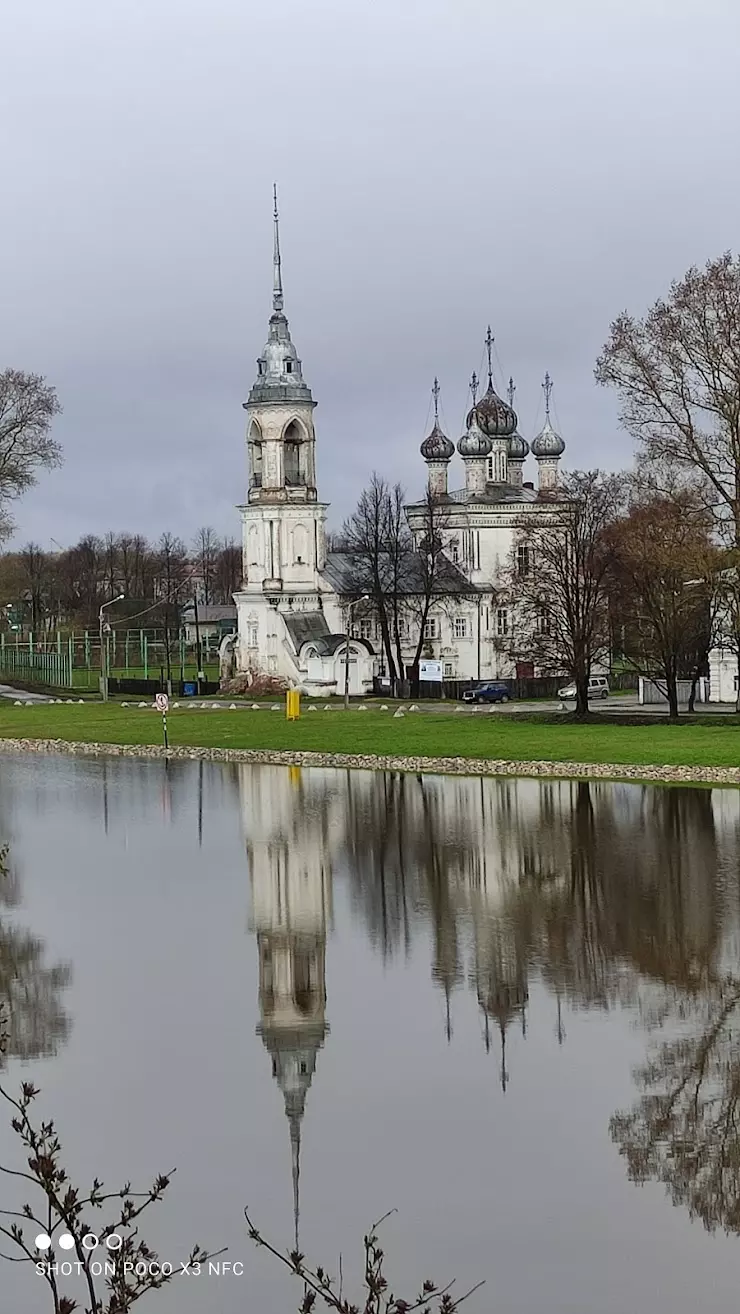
(547,389)
(511,392)
(474,386)
(489,348)
(277,276)
(435,394)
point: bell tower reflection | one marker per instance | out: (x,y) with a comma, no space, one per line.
(287,822)
(501,984)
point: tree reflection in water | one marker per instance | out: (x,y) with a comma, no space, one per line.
(611,894)
(684,1129)
(608,894)
(30,990)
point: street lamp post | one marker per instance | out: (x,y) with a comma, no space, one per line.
(103,657)
(364,598)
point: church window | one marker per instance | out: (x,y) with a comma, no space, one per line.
(252,636)
(431,628)
(460,627)
(502,622)
(288,367)
(365,627)
(302,977)
(543,621)
(449,670)
(454,550)
(523,564)
(304,1069)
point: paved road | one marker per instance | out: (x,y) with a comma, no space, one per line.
(21,695)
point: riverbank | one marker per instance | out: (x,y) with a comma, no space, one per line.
(705,751)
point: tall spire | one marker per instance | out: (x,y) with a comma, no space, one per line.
(547,389)
(489,349)
(277,277)
(295,1150)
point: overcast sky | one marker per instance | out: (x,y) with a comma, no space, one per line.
(539,164)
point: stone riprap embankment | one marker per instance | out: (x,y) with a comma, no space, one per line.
(459,766)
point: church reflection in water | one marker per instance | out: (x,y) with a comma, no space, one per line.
(601,894)
(289,853)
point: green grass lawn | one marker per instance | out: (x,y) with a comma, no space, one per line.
(714,742)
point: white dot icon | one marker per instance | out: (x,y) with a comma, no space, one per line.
(43,1241)
(66,1241)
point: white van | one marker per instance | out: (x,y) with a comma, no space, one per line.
(598,687)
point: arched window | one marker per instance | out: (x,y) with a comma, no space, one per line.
(293,438)
(255,452)
(303,992)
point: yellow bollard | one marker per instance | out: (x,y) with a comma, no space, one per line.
(292,705)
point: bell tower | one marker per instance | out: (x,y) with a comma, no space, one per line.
(283,520)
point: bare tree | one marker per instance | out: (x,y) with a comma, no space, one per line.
(557,579)
(677,376)
(376,538)
(319,1286)
(664,578)
(205,557)
(227,573)
(28,405)
(173,574)
(35,566)
(430,567)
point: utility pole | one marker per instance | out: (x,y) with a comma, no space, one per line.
(198,658)
(103,654)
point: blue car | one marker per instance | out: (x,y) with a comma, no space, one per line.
(487,693)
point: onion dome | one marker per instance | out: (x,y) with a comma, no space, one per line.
(548,442)
(475,442)
(518,447)
(495,417)
(437,446)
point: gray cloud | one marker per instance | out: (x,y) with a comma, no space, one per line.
(441,163)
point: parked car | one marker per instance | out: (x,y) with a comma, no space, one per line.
(598,687)
(487,693)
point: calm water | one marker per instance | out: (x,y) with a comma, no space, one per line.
(338,993)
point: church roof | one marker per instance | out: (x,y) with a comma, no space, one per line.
(305,626)
(495,493)
(346,572)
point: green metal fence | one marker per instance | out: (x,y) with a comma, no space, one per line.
(72,660)
(53,668)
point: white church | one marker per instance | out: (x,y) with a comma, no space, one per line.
(294,604)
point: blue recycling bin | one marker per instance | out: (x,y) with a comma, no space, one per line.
(189,690)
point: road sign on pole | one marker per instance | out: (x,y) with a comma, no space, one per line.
(162,702)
